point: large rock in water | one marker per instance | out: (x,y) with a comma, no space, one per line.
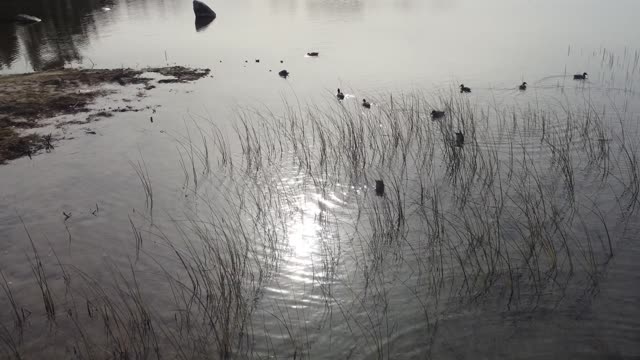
(202,10)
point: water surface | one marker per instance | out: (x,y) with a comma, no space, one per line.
(337,292)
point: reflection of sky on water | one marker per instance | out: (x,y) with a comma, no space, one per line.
(363,43)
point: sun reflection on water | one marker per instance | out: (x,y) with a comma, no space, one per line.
(304,232)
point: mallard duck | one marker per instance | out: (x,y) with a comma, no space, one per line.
(523,86)
(435,114)
(283,73)
(464,89)
(366,104)
(313,53)
(580,77)
(459,138)
(340,95)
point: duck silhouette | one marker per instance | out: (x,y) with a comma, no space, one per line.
(435,114)
(582,76)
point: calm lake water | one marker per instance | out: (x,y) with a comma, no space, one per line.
(501,249)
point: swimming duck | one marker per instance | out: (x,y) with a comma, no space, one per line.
(366,104)
(340,95)
(313,53)
(283,73)
(464,89)
(459,138)
(523,86)
(435,114)
(580,77)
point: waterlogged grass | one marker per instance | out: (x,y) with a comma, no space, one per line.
(525,215)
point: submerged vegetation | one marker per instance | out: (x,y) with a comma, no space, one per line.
(522,217)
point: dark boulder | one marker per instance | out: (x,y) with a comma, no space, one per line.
(202,10)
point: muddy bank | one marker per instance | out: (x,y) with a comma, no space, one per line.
(27,99)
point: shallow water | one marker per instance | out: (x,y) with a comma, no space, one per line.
(335,292)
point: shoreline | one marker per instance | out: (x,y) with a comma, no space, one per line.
(29,99)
